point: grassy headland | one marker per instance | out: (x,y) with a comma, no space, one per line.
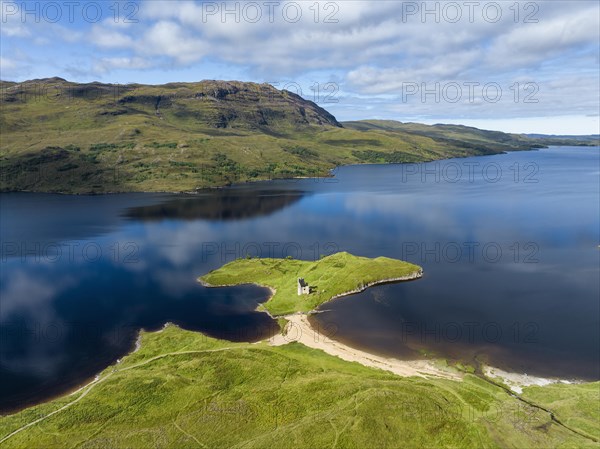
(59,136)
(328,277)
(183,389)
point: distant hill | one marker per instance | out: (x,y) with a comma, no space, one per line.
(551,139)
(59,136)
(466,135)
(454,135)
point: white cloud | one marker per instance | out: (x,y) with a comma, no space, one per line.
(14,67)
(167,38)
(107,64)
(15,30)
(7,64)
(528,44)
(373,80)
(12,24)
(109,38)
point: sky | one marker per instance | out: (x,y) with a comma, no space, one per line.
(509,66)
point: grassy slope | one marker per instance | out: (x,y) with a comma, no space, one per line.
(219,395)
(67,137)
(467,137)
(579,405)
(471,138)
(330,276)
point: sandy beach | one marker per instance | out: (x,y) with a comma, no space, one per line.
(299,330)
(516,381)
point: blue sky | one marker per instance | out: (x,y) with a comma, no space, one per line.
(511,66)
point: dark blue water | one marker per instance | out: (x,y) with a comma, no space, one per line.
(509,245)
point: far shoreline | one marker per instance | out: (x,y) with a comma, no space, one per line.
(234,185)
(268,181)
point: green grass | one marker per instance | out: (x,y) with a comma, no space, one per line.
(330,276)
(185,390)
(576,405)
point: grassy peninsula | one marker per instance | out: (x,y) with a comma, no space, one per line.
(329,277)
(183,389)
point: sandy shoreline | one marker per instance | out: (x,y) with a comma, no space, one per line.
(299,330)
(516,381)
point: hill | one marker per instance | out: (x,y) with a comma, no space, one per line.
(474,138)
(552,139)
(184,389)
(59,136)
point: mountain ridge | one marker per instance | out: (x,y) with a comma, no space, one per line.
(225,103)
(66,137)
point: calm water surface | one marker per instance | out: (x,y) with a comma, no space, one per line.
(509,245)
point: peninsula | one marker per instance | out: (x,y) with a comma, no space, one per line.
(330,277)
(181,388)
